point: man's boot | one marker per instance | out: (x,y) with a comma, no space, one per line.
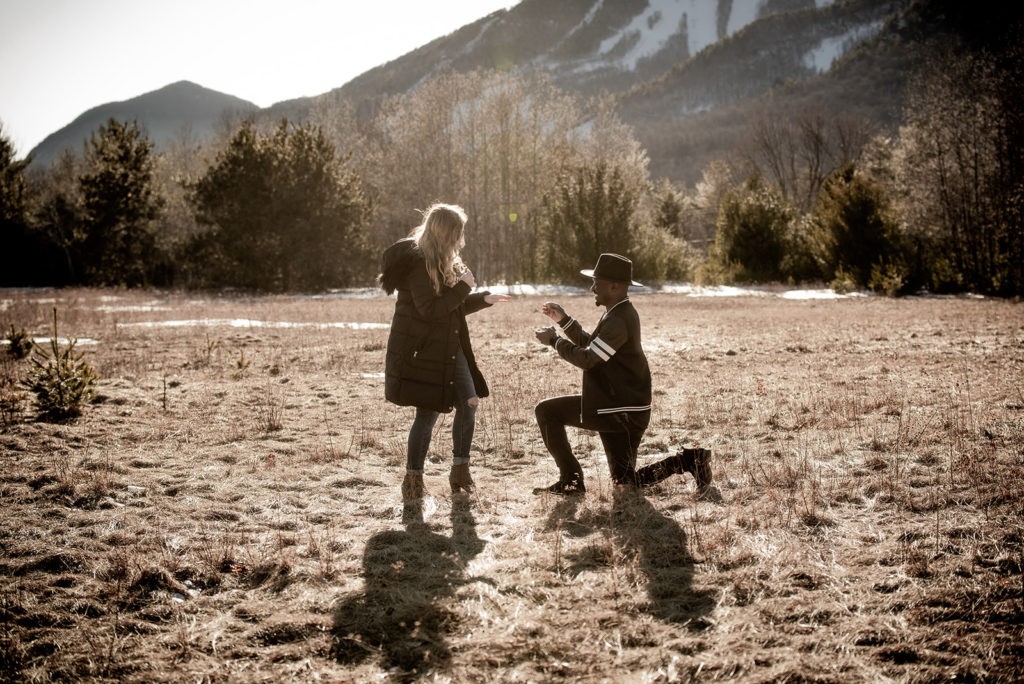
(697,462)
(572,486)
(412,487)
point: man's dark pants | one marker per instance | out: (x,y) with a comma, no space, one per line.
(620,434)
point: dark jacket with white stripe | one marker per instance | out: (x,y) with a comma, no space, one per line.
(616,377)
(426,332)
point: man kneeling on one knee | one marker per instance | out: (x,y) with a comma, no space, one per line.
(616,396)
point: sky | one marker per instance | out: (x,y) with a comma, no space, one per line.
(60,58)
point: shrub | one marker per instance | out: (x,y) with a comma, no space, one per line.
(10,397)
(61,381)
(658,257)
(754,233)
(853,229)
(887,279)
(843,282)
(19,344)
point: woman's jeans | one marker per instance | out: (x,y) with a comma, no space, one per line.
(462,426)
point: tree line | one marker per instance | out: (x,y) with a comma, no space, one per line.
(549,182)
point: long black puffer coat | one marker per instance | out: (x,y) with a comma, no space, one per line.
(426,331)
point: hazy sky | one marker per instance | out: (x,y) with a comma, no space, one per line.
(59,58)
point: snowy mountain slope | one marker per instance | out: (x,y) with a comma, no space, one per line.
(774,50)
(667,62)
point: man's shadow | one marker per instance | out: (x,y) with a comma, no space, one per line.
(399,617)
(655,542)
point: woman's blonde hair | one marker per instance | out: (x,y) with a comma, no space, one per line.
(439,238)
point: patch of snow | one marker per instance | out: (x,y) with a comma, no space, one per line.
(650,30)
(743,12)
(347,293)
(528,290)
(733,291)
(41,341)
(586,20)
(818,294)
(830,49)
(472,43)
(699,109)
(712,290)
(44,300)
(107,308)
(250,323)
(585,67)
(688,289)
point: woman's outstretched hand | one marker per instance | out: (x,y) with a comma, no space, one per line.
(494,299)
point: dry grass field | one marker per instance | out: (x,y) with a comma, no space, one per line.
(228,508)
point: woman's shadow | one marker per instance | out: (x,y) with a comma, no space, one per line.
(399,618)
(658,546)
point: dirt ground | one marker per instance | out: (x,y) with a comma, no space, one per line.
(228,508)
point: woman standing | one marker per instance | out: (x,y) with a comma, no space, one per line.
(430,363)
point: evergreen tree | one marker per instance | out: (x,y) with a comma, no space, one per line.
(668,209)
(57,220)
(755,225)
(120,207)
(589,211)
(19,245)
(282,214)
(853,229)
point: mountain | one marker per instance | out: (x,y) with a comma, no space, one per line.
(679,70)
(688,75)
(166,114)
(587,46)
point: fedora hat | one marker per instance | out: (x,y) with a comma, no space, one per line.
(612,267)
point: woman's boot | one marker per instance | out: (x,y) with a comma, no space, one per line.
(459,478)
(412,487)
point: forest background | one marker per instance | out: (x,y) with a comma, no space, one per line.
(550,179)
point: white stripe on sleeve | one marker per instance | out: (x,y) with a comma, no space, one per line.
(601,348)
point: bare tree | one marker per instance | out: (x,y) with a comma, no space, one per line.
(490,141)
(701,215)
(797,153)
(486,140)
(959,175)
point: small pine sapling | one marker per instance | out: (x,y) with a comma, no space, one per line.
(61,381)
(19,344)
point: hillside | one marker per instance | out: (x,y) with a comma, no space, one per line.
(182,108)
(688,75)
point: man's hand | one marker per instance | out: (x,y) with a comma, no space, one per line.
(553,311)
(546,335)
